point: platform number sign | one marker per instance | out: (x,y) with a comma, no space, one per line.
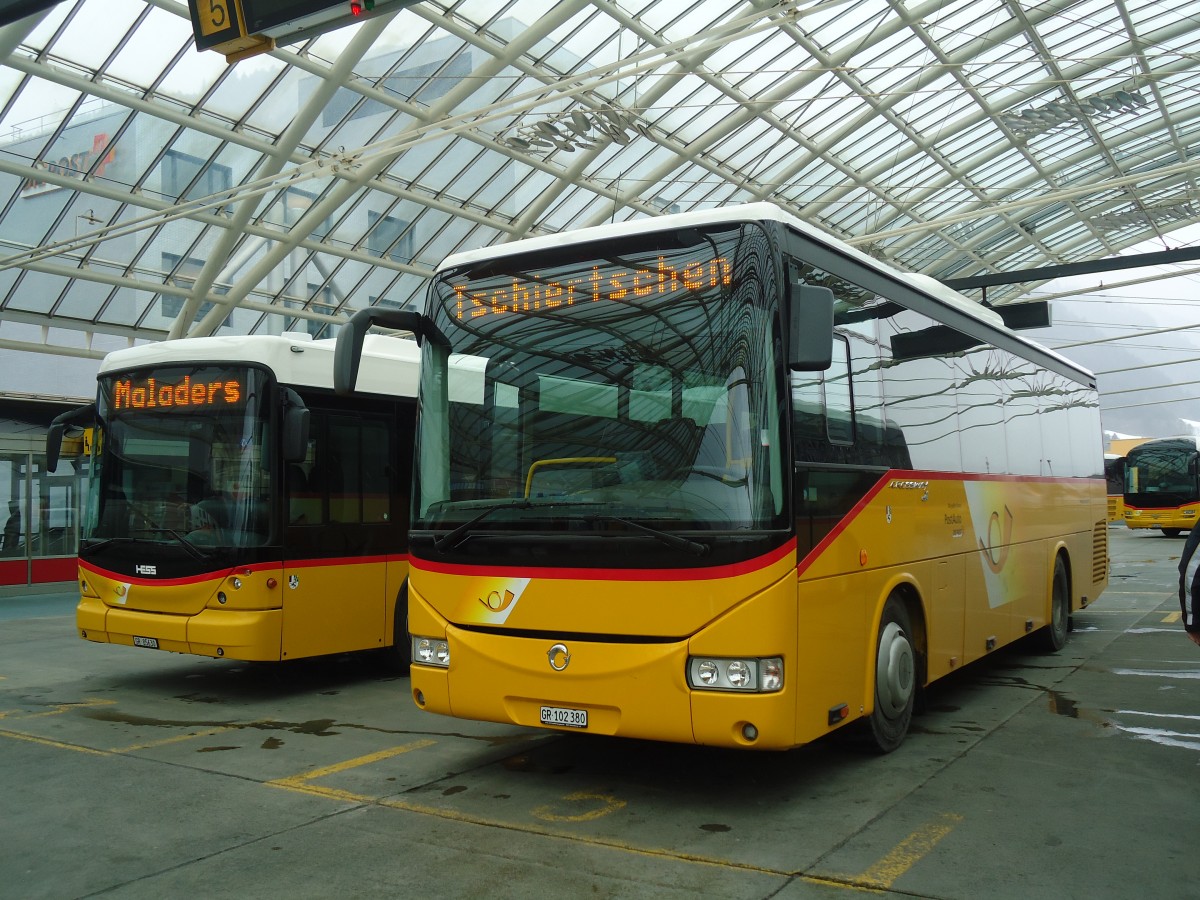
(216,22)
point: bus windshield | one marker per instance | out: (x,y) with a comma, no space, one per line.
(181,458)
(1165,470)
(637,376)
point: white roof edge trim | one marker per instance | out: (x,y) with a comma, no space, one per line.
(390,365)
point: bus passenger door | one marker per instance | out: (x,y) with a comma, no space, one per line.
(337,535)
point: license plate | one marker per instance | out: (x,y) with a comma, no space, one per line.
(152,643)
(570,718)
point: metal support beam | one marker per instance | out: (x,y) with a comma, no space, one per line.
(1046,273)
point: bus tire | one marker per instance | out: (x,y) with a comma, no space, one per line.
(399,655)
(1054,635)
(896,668)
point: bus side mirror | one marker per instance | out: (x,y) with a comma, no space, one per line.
(810,327)
(295,428)
(1193,465)
(54,435)
(347,352)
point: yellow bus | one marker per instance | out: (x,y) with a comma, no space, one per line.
(238,508)
(719,478)
(1162,485)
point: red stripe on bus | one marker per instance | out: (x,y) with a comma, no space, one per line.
(580,574)
(238,570)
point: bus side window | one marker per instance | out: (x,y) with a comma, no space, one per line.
(839,400)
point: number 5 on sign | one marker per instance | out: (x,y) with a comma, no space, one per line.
(215,18)
(216,22)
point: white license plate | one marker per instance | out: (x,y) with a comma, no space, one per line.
(152,643)
(570,718)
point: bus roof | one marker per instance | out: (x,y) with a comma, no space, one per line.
(389,365)
(742,212)
(750,212)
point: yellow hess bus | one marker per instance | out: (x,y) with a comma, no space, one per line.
(238,508)
(1162,485)
(719,478)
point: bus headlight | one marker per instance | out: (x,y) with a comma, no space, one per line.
(755,675)
(430,651)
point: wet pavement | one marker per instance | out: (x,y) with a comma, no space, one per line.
(134,773)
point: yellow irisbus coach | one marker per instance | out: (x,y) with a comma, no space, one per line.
(238,508)
(719,478)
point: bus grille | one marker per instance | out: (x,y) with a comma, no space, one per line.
(1099,552)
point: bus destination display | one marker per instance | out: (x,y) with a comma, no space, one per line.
(530,293)
(176,393)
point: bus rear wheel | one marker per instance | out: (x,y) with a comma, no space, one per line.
(1054,635)
(895,678)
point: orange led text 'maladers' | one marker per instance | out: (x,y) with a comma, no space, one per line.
(151,394)
(614,285)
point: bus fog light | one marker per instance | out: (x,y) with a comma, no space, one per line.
(430,651)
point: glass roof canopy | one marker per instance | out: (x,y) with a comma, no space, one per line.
(149,191)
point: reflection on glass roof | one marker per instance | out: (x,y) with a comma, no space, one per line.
(153,191)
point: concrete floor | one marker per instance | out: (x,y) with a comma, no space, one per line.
(134,773)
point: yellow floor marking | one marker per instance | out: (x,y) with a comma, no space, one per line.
(301,782)
(179,738)
(67,707)
(607,805)
(878,877)
(908,853)
(56,711)
(49,743)
(1172,617)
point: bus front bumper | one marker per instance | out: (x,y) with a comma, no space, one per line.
(252,635)
(634,690)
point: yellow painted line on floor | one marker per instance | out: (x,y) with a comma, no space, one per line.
(177,739)
(873,881)
(302,781)
(46,742)
(1172,618)
(68,707)
(908,853)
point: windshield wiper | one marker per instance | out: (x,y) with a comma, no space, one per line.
(453,538)
(187,545)
(461,532)
(672,540)
(104,542)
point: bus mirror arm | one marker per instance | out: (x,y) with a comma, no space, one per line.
(810,327)
(54,435)
(348,351)
(295,427)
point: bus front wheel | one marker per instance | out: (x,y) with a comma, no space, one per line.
(895,678)
(398,657)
